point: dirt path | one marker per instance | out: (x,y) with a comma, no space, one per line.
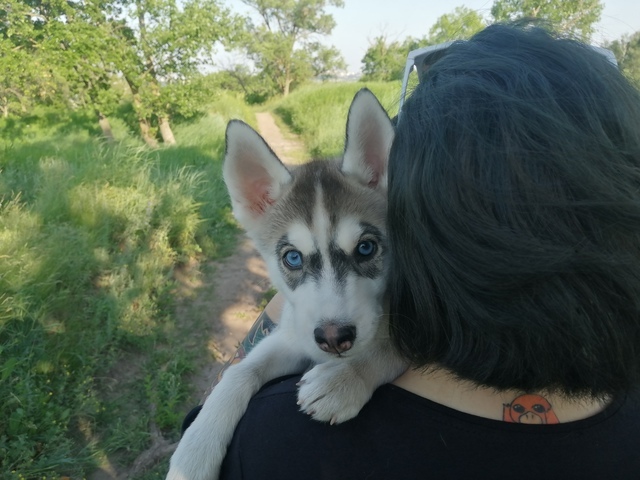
(231,290)
(288,147)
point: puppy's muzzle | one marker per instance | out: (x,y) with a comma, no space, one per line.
(333,338)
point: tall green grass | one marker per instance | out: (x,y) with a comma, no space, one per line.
(318,113)
(89,236)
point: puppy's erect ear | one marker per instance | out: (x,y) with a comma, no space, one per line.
(369,136)
(254,175)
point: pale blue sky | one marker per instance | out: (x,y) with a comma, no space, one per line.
(362,20)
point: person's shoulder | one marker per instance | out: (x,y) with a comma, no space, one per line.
(287,385)
(275,401)
(630,405)
(273,424)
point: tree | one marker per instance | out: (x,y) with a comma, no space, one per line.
(82,47)
(22,78)
(255,88)
(326,62)
(572,16)
(284,46)
(26,76)
(627,52)
(74,51)
(462,23)
(385,60)
(167,44)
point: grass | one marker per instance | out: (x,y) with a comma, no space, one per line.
(318,113)
(89,236)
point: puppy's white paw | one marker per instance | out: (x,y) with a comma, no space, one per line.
(333,392)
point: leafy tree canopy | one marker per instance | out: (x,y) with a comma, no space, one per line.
(572,16)
(627,52)
(284,45)
(385,60)
(462,23)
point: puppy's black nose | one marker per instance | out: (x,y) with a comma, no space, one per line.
(333,338)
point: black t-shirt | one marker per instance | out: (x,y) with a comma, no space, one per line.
(399,435)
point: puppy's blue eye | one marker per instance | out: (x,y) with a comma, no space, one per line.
(366,248)
(293,259)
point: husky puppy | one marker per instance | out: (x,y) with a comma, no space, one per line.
(321,230)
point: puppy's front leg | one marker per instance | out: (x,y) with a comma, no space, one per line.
(202,449)
(336,391)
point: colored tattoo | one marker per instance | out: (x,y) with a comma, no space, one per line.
(260,329)
(529,408)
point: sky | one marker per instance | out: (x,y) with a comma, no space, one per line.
(360,21)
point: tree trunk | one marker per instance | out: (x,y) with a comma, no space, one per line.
(165,131)
(145,129)
(163,122)
(145,133)
(287,82)
(105,126)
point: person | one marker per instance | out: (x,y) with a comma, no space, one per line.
(514,235)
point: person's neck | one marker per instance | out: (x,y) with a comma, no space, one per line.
(511,406)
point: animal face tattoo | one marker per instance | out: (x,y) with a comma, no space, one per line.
(529,408)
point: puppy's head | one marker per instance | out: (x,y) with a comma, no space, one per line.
(321,226)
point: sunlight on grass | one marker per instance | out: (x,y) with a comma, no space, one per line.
(89,236)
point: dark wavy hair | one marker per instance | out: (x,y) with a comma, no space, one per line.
(514,217)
